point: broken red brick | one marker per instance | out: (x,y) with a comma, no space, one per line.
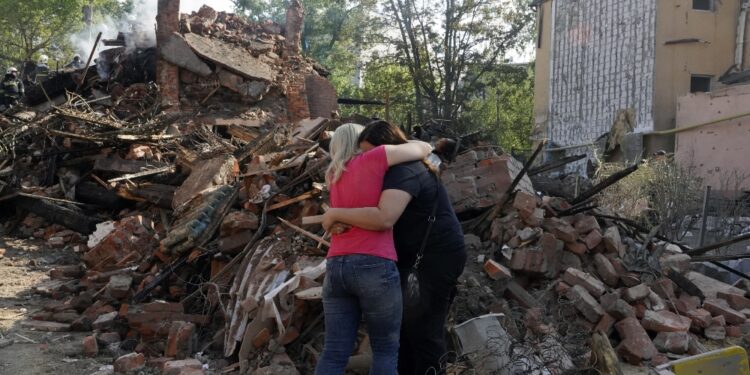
(180,340)
(735,301)
(636,293)
(665,321)
(672,342)
(700,318)
(593,239)
(720,307)
(577,248)
(605,324)
(612,240)
(587,224)
(561,229)
(585,303)
(529,260)
(176,367)
(497,271)
(129,362)
(90,346)
(636,346)
(574,276)
(606,270)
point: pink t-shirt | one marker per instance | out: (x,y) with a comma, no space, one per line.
(360,185)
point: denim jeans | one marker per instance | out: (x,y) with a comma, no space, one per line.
(356,286)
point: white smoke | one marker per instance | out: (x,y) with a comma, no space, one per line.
(139,27)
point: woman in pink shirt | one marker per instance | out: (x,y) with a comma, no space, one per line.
(361,274)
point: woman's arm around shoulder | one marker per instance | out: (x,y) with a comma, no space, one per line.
(411,151)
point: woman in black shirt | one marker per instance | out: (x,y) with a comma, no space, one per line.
(410,192)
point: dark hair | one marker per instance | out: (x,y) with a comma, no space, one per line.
(381,132)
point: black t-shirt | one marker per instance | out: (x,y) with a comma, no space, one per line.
(408,232)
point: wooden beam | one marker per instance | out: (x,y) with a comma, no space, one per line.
(305,233)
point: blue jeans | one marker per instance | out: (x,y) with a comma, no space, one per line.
(357,285)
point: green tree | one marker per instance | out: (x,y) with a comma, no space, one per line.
(440,41)
(31,27)
(503,106)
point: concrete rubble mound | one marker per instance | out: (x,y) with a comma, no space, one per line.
(188,218)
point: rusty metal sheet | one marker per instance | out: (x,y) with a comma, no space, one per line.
(232,57)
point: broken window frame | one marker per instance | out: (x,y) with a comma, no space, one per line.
(699,5)
(694,89)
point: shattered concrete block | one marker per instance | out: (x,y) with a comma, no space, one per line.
(497,271)
(636,293)
(720,307)
(665,321)
(636,345)
(585,303)
(672,342)
(129,362)
(606,270)
(575,276)
(232,57)
(176,51)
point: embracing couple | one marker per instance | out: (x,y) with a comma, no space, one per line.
(381,185)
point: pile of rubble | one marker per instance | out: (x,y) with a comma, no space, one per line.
(188,216)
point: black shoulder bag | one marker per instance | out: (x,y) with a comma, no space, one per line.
(412,281)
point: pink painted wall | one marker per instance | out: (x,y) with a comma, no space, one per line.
(720,149)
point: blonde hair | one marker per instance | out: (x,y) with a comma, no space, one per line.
(344,146)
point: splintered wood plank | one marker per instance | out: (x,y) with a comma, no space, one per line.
(233,58)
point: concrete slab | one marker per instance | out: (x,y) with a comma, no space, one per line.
(176,51)
(233,58)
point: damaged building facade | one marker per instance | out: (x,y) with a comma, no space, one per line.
(596,59)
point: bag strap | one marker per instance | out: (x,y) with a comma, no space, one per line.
(430,220)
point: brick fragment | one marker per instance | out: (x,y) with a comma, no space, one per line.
(636,293)
(672,342)
(605,324)
(90,347)
(585,303)
(105,321)
(715,332)
(574,276)
(612,241)
(664,287)
(177,367)
(180,340)
(119,286)
(665,321)
(587,224)
(593,239)
(107,338)
(636,346)
(529,260)
(679,263)
(700,318)
(129,362)
(687,303)
(525,203)
(552,249)
(720,307)
(619,309)
(578,248)
(735,301)
(561,229)
(606,270)
(497,271)
(733,331)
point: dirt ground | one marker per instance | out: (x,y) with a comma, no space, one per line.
(24,265)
